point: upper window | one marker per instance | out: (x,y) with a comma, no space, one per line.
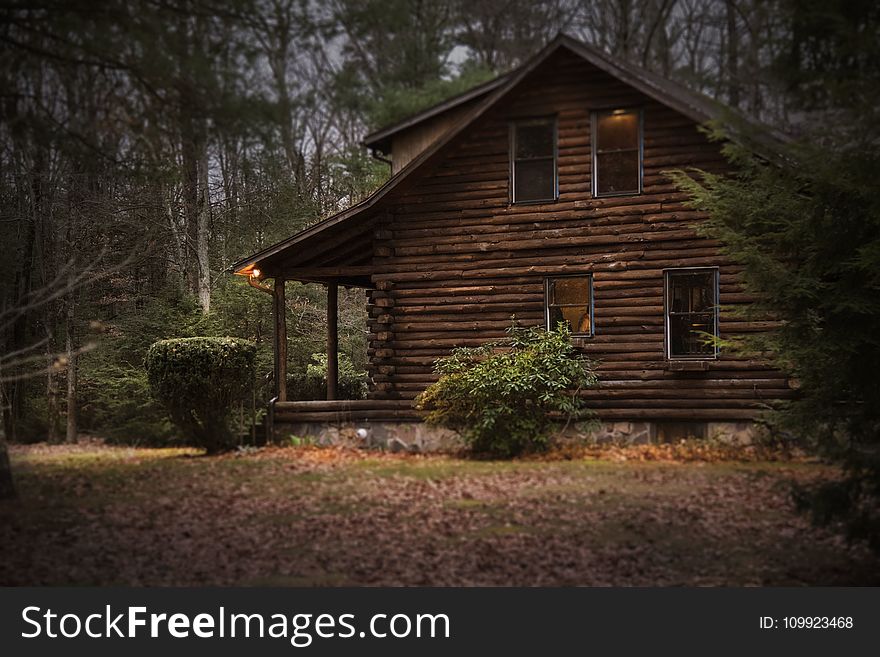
(617,152)
(569,299)
(533,160)
(691,313)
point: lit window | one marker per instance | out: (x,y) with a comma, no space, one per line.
(569,299)
(533,161)
(691,313)
(617,152)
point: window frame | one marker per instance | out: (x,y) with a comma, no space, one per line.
(594,150)
(667,289)
(591,304)
(512,159)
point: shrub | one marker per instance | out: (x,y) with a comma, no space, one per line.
(198,380)
(501,397)
(352,383)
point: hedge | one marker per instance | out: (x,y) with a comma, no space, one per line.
(199,381)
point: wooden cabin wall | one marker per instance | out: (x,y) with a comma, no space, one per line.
(455,260)
(408,144)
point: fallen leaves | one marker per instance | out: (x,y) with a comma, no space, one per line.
(683,451)
(650,515)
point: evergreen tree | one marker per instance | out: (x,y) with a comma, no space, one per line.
(806,226)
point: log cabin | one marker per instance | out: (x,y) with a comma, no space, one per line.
(539,194)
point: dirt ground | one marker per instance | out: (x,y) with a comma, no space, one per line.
(96,515)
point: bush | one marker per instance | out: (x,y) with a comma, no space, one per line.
(501,397)
(312,384)
(198,381)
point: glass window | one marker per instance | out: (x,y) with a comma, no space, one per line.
(533,165)
(617,152)
(691,313)
(569,299)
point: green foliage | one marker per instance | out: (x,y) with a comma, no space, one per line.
(240,311)
(354,175)
(312,384)
(807,230)
(114,393)
(500,396)
(115,400)
(398,101)
(198,380)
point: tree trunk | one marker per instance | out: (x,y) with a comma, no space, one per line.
(332,341)
(203,234)
(53,411)
(280,308)
(196,210)
(72,428)
(732,55)
(7,485)
(13,388)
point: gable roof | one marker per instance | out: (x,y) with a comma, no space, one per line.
(694,105)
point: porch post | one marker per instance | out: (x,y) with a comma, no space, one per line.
(280,341)
(332,342)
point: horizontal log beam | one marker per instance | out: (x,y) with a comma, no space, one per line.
(329,272)
(338,405)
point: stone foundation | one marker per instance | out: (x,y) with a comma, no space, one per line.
(420,437)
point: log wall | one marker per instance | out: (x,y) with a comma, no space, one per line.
(407,144)
(454,259)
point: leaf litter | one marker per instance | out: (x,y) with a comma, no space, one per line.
(308,516)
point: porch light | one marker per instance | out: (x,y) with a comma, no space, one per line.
(255,273)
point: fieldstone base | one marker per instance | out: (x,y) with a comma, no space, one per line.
(629,433)
(393,436)
(420,437)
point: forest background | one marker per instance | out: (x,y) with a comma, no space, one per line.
(147,145)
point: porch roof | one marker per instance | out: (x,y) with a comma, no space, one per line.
(333,250)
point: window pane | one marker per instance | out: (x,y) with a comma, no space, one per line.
(617,172)
(534,181)
(688,334)
(570,290)
(569,299)
(615,131)
(694,292)
(577,318)
(534,140)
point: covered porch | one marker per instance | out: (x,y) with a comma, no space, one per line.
(337,252)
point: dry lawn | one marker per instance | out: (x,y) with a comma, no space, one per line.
(96,515)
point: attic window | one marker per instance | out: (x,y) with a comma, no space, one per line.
(569,299)
(617,152)
(533,160)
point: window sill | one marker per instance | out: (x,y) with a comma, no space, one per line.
(535,202)
(618,194)
(688,365)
